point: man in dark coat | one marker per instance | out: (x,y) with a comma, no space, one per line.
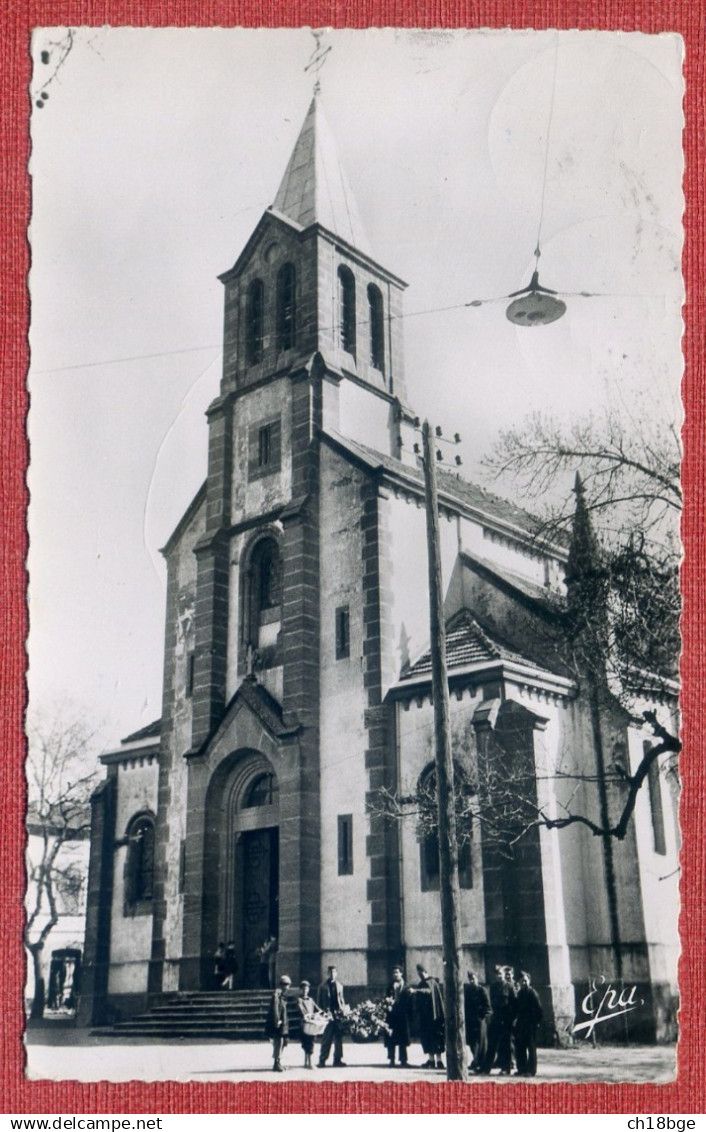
(231,966)
(477,1008)
(397,1017)
(431,1018)
(277,1022)
(528,1015)
(330,998)
(502,1005)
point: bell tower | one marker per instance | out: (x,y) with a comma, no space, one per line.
(307,283)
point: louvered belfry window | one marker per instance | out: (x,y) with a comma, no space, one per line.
(286,293)
(255,321)
(346,304)
(377,327)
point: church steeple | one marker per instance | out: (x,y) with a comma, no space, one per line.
(314,188)
(306,284)
(584,553)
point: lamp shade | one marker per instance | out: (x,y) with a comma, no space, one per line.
(535,308)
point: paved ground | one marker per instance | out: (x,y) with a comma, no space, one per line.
(75,1054)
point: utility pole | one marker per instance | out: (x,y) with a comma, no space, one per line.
(450,892)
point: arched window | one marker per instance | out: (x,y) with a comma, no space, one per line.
(377,327)
(255,320)
(261,792)
(346,309)
(429,835)
(265,576)
(263,605)
(139,866)
(286,286)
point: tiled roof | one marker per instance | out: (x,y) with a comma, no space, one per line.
(152,730)
(466,643)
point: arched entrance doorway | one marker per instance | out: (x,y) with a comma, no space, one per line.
(249,868)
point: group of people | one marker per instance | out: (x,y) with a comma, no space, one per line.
(503,1023)
(225,964)
(326,1013)
(500,1025)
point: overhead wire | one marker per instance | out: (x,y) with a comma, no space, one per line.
(360,322)
(537,251)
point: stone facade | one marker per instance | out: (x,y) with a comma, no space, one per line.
(296,688)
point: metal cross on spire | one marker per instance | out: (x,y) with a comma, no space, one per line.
(318,57)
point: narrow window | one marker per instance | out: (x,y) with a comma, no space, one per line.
(346,303)
(655,791)
(285,307)
(266,575)
(190,671)
(255,317)
(429,837)
(429,861)
(264,446)
(377,329)
(343,632)
(182,865)
(139,868)
(345,844)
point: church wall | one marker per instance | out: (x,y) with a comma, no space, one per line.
(595,937)
(659,886)
(587,922)
(176,740)
(408,581)
(422,917)
(254,497)
(510,554)
(369,420)
(131,934)
(660,890)
(344,906)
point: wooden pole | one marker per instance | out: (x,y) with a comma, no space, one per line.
(450,892)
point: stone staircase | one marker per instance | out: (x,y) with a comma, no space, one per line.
(194,1015)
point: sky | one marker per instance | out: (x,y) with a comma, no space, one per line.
(152,161)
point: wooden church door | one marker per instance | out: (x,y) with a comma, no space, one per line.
(260,894)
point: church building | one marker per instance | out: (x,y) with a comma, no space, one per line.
(297,684)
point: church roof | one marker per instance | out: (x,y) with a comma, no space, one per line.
(549,601)
(314,188)
(265,707)
(152,730)
(492,509)
(466,643)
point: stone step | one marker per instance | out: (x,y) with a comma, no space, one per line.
(231,1016)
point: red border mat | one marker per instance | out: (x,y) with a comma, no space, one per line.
(688,1093)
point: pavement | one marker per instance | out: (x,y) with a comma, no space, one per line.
(74,1054)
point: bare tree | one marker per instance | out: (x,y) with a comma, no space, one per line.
(616,633)
(630,471)
(60,778)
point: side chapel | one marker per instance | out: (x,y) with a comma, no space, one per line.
(297,682)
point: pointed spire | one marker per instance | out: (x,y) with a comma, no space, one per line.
(584,551)
(314,188)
